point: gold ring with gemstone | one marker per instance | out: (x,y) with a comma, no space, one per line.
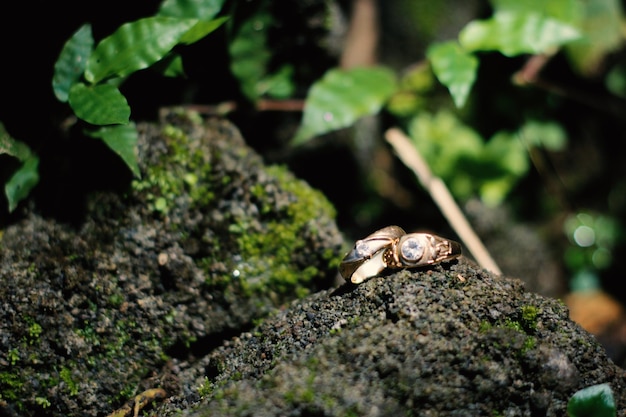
(365,260)
(420,249)
(392,247)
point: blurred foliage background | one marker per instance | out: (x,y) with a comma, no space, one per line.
(531,142)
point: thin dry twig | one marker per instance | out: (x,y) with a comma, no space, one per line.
(531,75)
(440,194)
(362,39)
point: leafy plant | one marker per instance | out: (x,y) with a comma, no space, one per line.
(593,401)
(250,58)
(88,77)
(26,176)
(515,28)
(469,163)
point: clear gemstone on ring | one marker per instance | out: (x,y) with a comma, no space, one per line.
(411,249)
(362,249)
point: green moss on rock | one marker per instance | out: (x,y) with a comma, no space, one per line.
(425,344)
(529,317)
(268,263)
(207,241)
(176,174)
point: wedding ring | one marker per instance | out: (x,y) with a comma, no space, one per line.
(365,260)
(391,247)
(420,249)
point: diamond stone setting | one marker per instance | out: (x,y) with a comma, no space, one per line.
(412,249)
(362,249)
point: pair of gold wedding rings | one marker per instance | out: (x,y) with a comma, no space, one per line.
(391,247)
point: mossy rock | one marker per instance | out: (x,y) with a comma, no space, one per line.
(206,242)
(450,340)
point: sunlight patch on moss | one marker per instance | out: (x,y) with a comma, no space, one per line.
(268,257)
(184,170)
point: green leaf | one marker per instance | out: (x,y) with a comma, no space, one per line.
(615,80)
(249,54)
(566,11)
(545,134)
(22,182)
(465,162)
(601,24)
(504,161)
(455,68)
(191,9)
(13,147)
(494,191)
(123,141)
(135,46)
(26,177)
(341,97)
(101,104)
(280,84)
(593,401)
(72,62)
(508,153)
(171,66)
(446,143)
(515,33)
(201,29)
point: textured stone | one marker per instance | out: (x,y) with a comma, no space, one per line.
(208,240)
(449,340)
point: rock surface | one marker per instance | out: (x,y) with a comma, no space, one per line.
(452,340)
(208,240)
(159,289)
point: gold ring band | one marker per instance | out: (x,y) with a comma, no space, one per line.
(391,247)
(365,258)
